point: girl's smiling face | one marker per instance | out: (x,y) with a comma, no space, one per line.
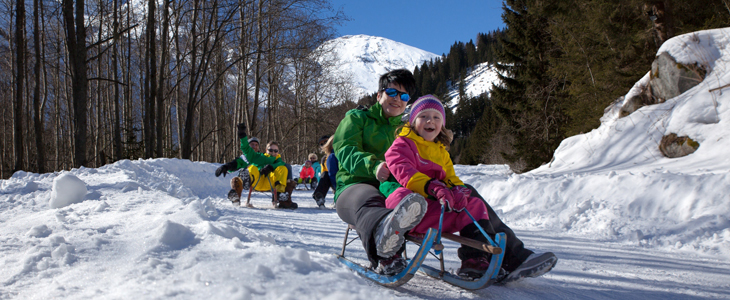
(428,124)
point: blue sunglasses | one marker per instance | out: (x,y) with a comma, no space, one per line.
(391,92)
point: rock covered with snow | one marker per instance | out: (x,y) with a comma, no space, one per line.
(67,189)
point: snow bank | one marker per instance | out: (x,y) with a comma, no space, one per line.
(613,183)
(702,113)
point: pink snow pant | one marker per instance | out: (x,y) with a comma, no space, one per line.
(453,221)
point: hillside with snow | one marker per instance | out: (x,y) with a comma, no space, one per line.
(365,58)
(625,222)
(479,79)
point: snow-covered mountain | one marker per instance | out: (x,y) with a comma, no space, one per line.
(366,57)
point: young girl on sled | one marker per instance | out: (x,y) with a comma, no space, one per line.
(420,163)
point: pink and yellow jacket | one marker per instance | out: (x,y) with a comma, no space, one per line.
(414,161)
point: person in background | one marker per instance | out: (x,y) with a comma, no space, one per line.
(329,170)
(254,143)
(307,173)
(268,166)
(316,166)
(239,163)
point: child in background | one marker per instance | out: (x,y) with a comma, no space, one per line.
(315,165)
(420,162)
(307,173)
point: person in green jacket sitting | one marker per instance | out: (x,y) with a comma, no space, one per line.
(269,170)
(360,142)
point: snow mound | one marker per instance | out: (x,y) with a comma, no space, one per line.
(174,236)
(67,189)
(39,231)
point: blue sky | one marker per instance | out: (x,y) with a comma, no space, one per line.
(430,25)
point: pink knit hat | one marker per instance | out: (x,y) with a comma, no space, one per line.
(424,103)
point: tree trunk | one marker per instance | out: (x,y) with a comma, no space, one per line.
(190,116)
(115,68)
(19,80)
(38,107)
(161,84)
(257,64)
(150,81)
(76,44)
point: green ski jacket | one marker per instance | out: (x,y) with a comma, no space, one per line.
(360,143)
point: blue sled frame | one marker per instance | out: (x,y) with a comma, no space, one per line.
(432,240)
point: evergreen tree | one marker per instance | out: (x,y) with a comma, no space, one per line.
(613,46)
(471,55)
(528,101)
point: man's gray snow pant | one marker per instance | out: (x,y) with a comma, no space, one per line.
(363,205)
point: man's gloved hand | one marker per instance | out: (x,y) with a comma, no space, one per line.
(241,130)
(265,171)
(461,197)
(221,170)
(439,190)
(224,169)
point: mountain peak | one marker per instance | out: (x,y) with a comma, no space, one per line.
(366,57)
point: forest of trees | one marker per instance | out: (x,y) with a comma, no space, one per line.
(86,83)
(561,64)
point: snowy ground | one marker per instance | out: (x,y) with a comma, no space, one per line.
(162,229)
(624,221)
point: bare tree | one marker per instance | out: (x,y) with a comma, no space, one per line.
(76,45)
(19,80)
(117,132)
(37,104)
(150,81)
(160,88)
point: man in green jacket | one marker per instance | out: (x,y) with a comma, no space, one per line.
(270,167)
(239,163)
(360,143)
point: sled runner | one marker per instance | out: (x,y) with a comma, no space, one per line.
(432,241)
(395,280)
(489,278)
(237,186)
(273,191)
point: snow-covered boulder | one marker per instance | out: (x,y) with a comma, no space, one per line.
(670,79)
(67,189)
(667,79)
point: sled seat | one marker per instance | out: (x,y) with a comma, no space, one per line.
(418,240)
